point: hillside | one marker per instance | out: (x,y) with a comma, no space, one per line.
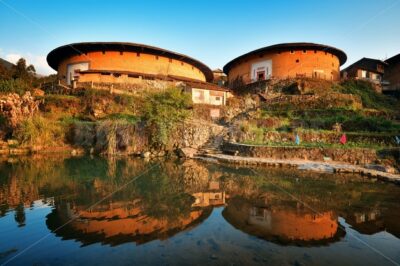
(6,64)
(156,122)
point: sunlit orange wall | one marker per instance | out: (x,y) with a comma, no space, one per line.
(284,65)
(129,61)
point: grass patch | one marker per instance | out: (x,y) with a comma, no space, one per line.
(129,118)
(39,131)
(18,86)
(370,98)
(320,119)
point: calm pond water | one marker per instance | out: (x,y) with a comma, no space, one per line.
(73,211)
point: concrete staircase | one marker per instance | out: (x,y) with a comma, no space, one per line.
(212,146)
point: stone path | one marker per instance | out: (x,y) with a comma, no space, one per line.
(334,167)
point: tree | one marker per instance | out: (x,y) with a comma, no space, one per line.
(22,71)
(164,110)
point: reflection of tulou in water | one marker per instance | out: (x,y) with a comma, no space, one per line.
(164,206)
(176,196)
(283,226)
(117,223)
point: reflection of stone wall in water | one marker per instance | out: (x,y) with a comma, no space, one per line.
(195,176)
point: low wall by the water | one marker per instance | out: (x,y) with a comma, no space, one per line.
(318,137)
(348,155)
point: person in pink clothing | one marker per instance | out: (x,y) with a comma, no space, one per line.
(343,139)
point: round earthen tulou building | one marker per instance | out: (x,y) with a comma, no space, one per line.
(120,62)
(286,60)
(125,66)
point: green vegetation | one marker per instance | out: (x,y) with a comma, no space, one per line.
(370,98)
(40,131)
(325,119)
(350,123)
(14,85)
(373,126)
(132,119)
(163,111)
(18,79)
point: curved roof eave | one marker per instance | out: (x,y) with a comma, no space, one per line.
(58,54)
(289,46)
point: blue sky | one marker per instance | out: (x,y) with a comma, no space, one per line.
(212,31)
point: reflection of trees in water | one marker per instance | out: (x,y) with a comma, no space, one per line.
(19,215)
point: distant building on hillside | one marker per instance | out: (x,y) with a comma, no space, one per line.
(128,66)
(220,78)
(286,60)
(392,75)
(368,69)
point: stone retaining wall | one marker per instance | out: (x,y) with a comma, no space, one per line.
(353,156)
(124,138)
(318,137)
(331,100)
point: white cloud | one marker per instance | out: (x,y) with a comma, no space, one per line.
(13,58)
(38,61)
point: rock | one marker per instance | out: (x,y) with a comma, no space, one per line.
(380,168)
(161,153)
(12,142)
(187,152)
(19,151)
(316,167)
(16,108)
(146,154)
(38,92)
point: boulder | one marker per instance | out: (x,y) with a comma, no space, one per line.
(146,154)
(381,168)
(187,152)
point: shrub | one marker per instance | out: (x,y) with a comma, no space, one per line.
(163,111)
(40,131)
(13,86)
(132,119)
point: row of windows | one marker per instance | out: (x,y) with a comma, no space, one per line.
(293,51)
(280,52)
(138,55)
(305,51)
(298,61)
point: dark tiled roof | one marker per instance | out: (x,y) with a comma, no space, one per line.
(393,59)
(369,64)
